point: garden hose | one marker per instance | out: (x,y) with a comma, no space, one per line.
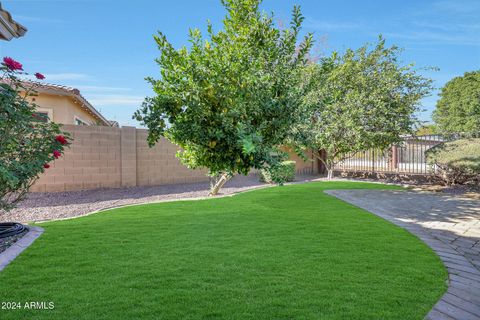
(8,229)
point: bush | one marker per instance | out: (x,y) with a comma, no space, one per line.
(281,173)
(456,162)
(27,145)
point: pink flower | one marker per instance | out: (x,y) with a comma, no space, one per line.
(56,154)
(39,76)
(61,139)
(12,64)
(46,166)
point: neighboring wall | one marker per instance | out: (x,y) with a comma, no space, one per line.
(108,157)
(303,167)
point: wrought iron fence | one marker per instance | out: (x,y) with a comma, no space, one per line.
(406,157)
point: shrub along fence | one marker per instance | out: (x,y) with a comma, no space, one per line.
(108,157)
(407,157)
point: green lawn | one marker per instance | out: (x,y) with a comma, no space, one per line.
(288,252)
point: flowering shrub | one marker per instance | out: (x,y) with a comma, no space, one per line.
(39,76)
(12,65)
(26,146)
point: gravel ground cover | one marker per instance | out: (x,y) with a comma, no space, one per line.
(61,205)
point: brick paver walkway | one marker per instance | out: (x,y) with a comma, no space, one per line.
(450,225)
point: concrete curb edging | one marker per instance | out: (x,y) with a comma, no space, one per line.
(15,249)
(462,299)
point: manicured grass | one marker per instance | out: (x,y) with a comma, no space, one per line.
(288,252)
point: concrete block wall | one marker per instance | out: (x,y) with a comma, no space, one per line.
(107,157)
(159,165)
(92,161)
(128,156)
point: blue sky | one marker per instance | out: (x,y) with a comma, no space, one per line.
(105,48)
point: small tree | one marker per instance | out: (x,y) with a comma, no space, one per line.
(360,100)
(458,110)
(229,101)
(426,129)
(26,144)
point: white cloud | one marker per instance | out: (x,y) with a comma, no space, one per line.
(436,37)
(66,76)
(87,88)
(51,77)
(456,6)
(115,100)
(449,26)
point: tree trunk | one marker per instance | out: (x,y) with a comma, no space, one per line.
(328,164)
(330,173)
(217,185)
(322,158)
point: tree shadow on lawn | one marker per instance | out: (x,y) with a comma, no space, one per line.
(425,206)
(454,220)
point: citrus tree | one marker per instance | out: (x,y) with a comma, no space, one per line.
(229,99)
(27,144)
(358,100)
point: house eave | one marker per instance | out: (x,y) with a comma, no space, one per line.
(76,96)
(9,28)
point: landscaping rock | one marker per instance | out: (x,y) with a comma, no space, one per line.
(62,205)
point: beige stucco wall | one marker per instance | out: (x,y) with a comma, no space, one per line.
(109,157)
(64,109)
